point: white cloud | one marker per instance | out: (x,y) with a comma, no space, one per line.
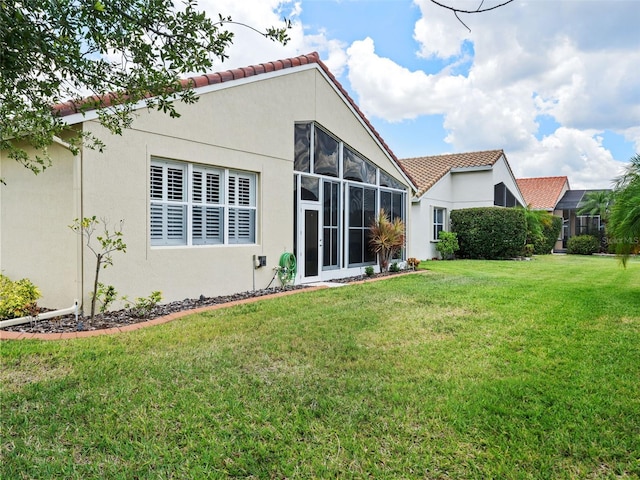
(249,47)
(575,62)
(394,93)
(574,153)
(562,59)
(434,33)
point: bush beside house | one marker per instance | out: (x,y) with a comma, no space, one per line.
(583,245)
(550,232)
(448,245)
(489,232)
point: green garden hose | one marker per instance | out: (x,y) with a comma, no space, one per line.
(287,268)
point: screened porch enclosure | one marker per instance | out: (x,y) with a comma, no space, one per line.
(337,195)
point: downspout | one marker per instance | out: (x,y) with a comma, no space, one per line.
(42,316)
(79,213)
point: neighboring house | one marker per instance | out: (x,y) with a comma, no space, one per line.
(544,193)
(273,158)
(554,195)
(451,182)
(574,223)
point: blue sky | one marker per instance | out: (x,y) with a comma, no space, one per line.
(556,84)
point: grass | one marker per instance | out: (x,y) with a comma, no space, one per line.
(473,370)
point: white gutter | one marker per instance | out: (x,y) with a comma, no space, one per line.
(480,168)
(42,316)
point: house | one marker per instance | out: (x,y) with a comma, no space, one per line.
(450,182)
(273,158)
(544,193)
(554,195)
(573,221)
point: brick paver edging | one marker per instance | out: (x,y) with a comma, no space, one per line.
(4,335)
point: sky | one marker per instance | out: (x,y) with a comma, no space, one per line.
(553,83)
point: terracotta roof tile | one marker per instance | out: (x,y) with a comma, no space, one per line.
(542,193)
(426,171)
(70,108)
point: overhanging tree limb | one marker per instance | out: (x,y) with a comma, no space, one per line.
(456,11)
(121,52)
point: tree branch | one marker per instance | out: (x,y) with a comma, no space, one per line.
(457,11)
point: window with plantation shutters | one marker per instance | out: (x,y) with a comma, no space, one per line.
(242,212)
(168,209)
(207,208)
(199,205)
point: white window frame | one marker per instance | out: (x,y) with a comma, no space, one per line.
(435,223)
(235,201)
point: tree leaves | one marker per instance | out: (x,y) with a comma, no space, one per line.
(118,53)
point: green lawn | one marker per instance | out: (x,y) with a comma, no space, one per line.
(472,370)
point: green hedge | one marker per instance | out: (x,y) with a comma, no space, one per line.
(490,232)
(583,245)
(550,231)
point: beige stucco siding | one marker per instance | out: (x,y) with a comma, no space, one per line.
(246,127)
(35,240)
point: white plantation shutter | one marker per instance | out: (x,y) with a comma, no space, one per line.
(207,203)
(168,209)
(206,218)
(156,182)
(242,210)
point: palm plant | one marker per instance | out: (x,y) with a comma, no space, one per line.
(624,221)
(595,203)
(387,238)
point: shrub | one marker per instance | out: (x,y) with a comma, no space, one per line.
(394,267)
(106,295)
(368,271)
(143,305)
(17,299)
(448,245)
(543,230)
(583,245)
(490,232)
(528,250)
(387,238)
(551,228)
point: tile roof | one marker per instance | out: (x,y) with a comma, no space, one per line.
(426,171)
(542,193)
(71,107)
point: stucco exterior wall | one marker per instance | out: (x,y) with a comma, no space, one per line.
(35,240)
(456,190)
(502,173)
(245,125)
(422,243)
(472,189)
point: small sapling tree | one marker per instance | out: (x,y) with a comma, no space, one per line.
(108,242)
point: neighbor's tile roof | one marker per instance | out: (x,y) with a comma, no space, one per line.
(426,171)
(71,107)
(542,193)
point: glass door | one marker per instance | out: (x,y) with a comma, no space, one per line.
(309,230)
(312,243)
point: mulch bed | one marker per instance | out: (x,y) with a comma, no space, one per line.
(124,317)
